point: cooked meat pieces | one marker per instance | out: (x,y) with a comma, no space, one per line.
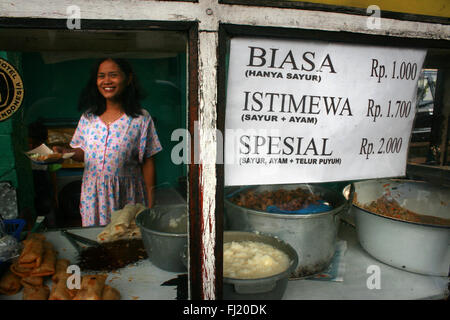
(290,200)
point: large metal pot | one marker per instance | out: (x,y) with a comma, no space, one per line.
(313,236)
(415,247)
(164,233)
(269,288)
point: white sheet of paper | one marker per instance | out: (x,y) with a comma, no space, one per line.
(44,149)
(302,111)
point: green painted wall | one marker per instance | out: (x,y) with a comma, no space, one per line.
(52,92)
(14,166)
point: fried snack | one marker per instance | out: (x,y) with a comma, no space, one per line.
(135,233)
(60,291)
(31,256)
(59,287)
(139,207)
(110,293)
(134,230)
(47,266)
(123,224)
(19,270)
(61,270)
(10,283)
(91,287)
(105,234)
(51,156)
(36,293)
(124,219)
(30,266)
(32,281)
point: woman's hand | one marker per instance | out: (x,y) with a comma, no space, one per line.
(59,149)
(78,156)
(148,171)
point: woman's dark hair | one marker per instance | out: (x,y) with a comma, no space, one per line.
(92,102)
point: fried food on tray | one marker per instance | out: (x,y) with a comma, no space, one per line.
(61,270)
(32,281)
(36,293)
(59,282)
(47,266)
(46,157)
(60,291)
(39,260)
(123,224)
(91,287)
(10,283)
(31,256)
(110,293)
(19,270)
(290,200)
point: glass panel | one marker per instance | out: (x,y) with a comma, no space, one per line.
(268,210)
(421,133)
(57,68)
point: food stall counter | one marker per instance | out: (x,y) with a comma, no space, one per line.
(139,281)
(365,278)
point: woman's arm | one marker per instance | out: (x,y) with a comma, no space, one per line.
(148,171)
(78,156)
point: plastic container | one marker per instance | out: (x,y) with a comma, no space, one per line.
(14,227)
(8,201)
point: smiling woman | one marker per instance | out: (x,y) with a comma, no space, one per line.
(112,86)
(116,139)
(111,80)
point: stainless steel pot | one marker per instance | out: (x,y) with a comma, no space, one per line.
(313,236)
(164,233)
(269,288)
(415,247)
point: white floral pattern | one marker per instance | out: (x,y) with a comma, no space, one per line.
(113,156)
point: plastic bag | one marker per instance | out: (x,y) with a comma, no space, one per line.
(10,248)
(319,207)
(312,208)
(8,201)
(2,227)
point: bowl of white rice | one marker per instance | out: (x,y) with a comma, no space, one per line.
(256,266)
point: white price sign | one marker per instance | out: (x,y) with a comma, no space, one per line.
(311,111)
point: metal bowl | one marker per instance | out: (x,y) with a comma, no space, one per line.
(313,236)
(268,288)
(164,233)
(415,247)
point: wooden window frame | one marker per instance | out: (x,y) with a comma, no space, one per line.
(191,29)
(305,5)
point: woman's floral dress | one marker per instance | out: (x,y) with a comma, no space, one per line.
(113,156)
